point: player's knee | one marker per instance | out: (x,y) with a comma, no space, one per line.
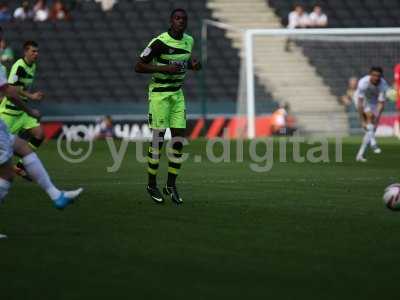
(177,145)
(3,190)
(158,138)
(177,132)
(21,147)
(36,141)
(177,138)
(37,133)
(370,127)
(7,172)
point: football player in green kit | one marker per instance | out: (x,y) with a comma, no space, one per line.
(167,57)
(22,76)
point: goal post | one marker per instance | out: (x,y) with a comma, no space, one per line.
(251,33)
(369,46)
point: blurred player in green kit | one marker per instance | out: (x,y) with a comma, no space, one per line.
(22,76)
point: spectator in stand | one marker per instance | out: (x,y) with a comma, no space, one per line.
(58,11)
(347,99)
(298,18)
(5,14)
(107,5)
(317,18)
(7,56)
(24,12)
(40,10)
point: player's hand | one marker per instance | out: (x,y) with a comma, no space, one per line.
(172,69)
(37,96)
(35,114)
(196,65)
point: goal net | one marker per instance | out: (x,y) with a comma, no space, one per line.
(310,69)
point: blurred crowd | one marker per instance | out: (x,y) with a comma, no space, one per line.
(299,18)
(46,10)
(38,11)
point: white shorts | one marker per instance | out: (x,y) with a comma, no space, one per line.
(6,143)
(367,107)
(371,109)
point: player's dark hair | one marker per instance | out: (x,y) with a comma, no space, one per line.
(177,10)
(28,44)
(376,69)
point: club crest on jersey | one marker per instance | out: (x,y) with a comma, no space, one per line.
(146,52)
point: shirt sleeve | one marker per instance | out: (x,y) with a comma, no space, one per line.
(15,75)
(3,78)
(361,89)
(292,20)
(382,93)
(153,50)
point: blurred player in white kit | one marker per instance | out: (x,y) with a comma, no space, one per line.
(369,99)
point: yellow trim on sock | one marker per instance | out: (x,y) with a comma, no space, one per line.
(173,151)
(152,171)
(176,160)
(154,150)
(172,170)
(34,148)
(152,160)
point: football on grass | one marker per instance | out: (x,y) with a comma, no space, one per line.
(391,197)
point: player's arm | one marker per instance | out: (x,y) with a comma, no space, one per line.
(12,94)
(36,96)
(194,64)
(381,101)
(16,73)
(145,65)
(360,97)
(360,109)
(380,107)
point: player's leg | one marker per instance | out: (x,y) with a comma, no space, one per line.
(373,143)
(6,167)
(158,120)
(6,153)
(33,133)
(153,161)
(178,126)
(174,164)
(38,173)
(369,130)
(6,177)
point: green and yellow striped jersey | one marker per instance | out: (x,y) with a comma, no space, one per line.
(164,50)
(22,75)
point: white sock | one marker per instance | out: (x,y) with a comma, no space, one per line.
(372,141)
(36,170)
(364,145)
(4,187)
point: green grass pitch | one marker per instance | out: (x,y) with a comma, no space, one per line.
(300,231)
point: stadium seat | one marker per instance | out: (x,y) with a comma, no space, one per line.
(102,47)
